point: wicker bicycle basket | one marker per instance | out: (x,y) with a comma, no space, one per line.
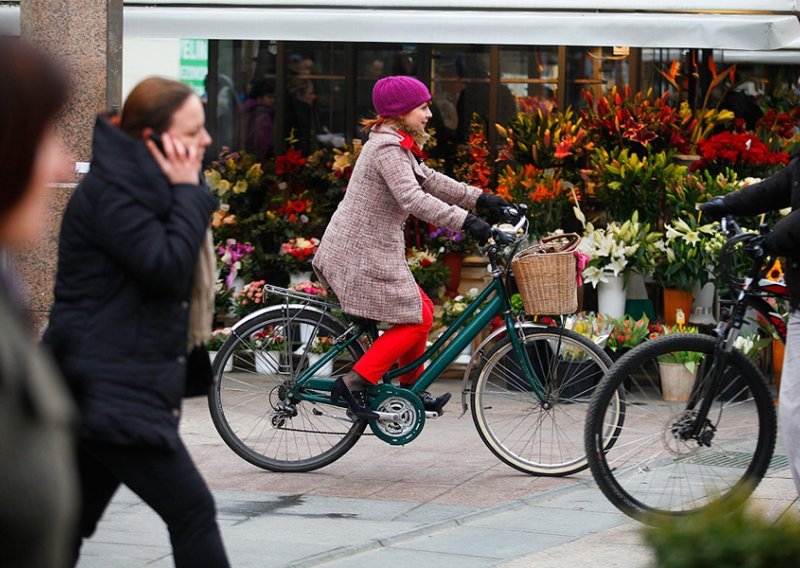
(545,275)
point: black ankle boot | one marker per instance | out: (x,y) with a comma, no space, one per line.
(434,403)
(356,400)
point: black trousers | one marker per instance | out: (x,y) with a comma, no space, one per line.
(168,481)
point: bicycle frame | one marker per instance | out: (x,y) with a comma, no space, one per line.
(727,332)
(493,300)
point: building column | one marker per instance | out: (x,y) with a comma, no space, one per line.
(86,35)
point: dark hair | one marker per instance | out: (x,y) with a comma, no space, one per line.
(33,90)
(151,104)
(262,87)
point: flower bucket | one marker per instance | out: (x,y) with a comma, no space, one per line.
(305,331)
(611,297)
(675,300)
(267,362)
(228,364)
(676,381)
(453,261)
(777,361)
(326,370)
(703,304)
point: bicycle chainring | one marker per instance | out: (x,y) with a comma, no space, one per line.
(404,403)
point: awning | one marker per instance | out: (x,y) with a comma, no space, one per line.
(722,31)
(459,26)
(748,6)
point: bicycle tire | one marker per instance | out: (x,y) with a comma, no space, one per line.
(244,403)
(653,473)
(524,433)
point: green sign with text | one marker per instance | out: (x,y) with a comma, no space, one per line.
(194,64)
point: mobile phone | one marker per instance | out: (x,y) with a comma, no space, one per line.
(156,138)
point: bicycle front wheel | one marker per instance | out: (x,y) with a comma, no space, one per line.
(540,436)
(254,404)
(660,467)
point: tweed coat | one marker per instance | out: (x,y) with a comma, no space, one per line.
(361,256)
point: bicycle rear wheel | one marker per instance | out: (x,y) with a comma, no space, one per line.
(540,437)
(656,470)
(251,402)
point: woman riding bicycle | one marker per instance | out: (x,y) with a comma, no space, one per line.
(778,191)
(362,253)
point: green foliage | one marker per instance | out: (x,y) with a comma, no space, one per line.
(627,183)
(716,538)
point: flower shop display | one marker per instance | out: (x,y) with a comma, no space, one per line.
(318,348)
(625,333)
(429,274)
(640,121)
(741,151)
(250,298)
(269,344)
(627,182)
(549,199)
(218,338)
(554,140)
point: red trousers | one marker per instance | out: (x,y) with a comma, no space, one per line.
(402,343)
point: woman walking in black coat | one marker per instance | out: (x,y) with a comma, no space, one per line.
(133,263)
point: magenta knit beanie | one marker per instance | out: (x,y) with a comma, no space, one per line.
(399,94)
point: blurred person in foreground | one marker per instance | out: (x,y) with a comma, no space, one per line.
(38,481)
(133,302)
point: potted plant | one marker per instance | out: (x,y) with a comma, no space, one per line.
(684,261)
(218,338)
(614,253)
(625,333)
(268,346)
(627,182)
(319,346)
(452,245)
(295,254)
(677,370)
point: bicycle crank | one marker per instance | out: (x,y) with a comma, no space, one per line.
(402,414)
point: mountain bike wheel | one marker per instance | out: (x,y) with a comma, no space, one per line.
(541,438)
(655,470)
(250,402)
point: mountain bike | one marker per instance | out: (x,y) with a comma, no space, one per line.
(528,384)
(676,457)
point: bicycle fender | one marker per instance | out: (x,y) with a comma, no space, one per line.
(479,353)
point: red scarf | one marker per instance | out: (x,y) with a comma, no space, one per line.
(409,143)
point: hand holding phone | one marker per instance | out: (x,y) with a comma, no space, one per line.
(180,163)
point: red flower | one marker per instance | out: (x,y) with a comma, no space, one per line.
(290,162)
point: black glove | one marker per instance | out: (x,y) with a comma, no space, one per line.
(493,204)
(715,209)
(477,228)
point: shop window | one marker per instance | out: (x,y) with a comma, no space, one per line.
(530,74)
(595,69)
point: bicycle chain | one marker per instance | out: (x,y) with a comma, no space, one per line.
(318,432)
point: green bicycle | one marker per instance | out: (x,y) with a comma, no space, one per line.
(528,384)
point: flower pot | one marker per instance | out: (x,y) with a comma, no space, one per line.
(452,260)
(267,362)
(304,333)
(675,300)
(676,381)
(703,304)
(326,370)
(611,297)
(777,361)
(295,279)
(228,364)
